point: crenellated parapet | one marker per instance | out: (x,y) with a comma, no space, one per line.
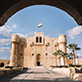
(55,41)
(15,38)
(62,39)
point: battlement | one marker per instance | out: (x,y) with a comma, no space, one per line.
(62,38)
(62,35)
(38,34)
(15,38)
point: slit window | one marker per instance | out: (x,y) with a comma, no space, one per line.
(37,39)
(32,54)
(40,39)
(21,54)
(46,54)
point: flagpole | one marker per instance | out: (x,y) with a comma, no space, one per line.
(38,29)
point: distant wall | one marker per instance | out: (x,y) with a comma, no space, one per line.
(80,61)
(4,62)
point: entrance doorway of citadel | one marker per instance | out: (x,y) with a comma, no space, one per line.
(38,63)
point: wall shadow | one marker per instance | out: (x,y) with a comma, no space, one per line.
(55,80)
(9,78)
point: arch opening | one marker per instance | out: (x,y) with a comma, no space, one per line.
(38,60)
(36,39)
(63,5)
(2,64)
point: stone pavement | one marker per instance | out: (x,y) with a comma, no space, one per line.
(37,74)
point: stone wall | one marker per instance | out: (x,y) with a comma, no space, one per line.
(63,71)
(72,72)
(25,51)
(4,61)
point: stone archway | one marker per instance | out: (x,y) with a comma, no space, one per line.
(2,64)
(72,7)
(38,58)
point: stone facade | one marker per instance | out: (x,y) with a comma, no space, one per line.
(36,50)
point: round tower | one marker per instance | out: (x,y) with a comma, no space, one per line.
(14,50)
(22,41)
(62,41)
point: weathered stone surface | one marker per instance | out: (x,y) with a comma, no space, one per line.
(76,73)
(28,52)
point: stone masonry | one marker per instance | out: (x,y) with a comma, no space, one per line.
(37,50)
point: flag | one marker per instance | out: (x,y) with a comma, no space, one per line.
(39,25)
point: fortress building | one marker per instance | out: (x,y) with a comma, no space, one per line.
(37,50)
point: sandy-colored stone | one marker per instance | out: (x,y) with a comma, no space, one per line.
(28,53)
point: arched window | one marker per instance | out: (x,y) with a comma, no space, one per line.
(2,64)
(40,39)
(37,39)
(32,54)
(46,54)
(21,54)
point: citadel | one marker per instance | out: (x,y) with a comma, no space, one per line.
(37,50)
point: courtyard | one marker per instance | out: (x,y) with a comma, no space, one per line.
(36,74)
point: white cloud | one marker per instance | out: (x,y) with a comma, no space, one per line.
(22,35)
(8,26)
(74,32)
(4,49)
(57,33)
(14,26)
(5,41)
(11,26)
(6,31)
(4,58)
(25,36)
(30,34)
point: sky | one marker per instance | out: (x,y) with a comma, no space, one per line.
(25,23)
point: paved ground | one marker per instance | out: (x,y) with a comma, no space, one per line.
(36,74)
